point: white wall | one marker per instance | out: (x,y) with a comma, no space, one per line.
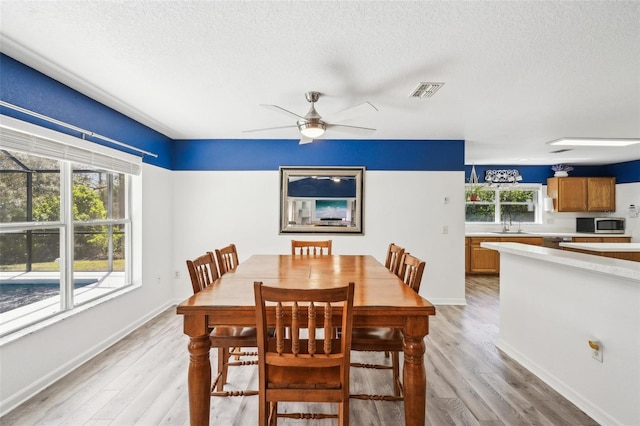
(629,193)
(36,360)
(213,209)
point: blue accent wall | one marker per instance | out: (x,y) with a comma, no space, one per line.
(269,154)
(25,87)
(627,172)
(623,172)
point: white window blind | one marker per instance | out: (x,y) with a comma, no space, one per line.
(17,135)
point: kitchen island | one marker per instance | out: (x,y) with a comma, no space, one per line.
(552,303)
(479,260)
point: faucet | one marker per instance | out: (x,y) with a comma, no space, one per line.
(505,227)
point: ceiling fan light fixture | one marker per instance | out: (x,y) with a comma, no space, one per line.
(312,129)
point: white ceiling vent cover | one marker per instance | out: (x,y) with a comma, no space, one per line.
(426,90)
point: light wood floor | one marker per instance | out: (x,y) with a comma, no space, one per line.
(141,380)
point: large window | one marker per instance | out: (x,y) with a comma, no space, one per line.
(512,204)
(65,235)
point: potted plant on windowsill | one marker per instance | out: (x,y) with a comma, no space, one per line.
(475,191)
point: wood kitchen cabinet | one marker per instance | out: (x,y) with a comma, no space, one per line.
(582,194)
(479,260)
(601,239)
(482,260)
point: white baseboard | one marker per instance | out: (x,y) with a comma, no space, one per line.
(445,301)
(590,408)
(9,403)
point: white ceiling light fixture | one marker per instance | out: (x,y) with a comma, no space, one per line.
(312,128)
(606,142)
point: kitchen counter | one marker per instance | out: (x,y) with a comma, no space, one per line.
(604,247)
(604,265)
(542,234)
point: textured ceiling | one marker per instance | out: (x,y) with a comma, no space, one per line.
(516,74)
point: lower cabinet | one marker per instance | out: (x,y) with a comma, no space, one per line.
(479,260)
(634,256)
(601,240)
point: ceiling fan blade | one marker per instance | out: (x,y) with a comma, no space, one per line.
(276,108)
(305,140)
(356,130)
(269,128)
(349,113)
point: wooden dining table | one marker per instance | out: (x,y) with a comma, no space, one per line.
(381,300)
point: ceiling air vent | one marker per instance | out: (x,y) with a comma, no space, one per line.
(426,90)
(558,151)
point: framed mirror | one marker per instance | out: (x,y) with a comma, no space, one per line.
(321,200)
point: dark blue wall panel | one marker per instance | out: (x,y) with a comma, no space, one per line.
(25,87)
(623,172)
(269,154)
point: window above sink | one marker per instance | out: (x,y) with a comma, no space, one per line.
(510,206)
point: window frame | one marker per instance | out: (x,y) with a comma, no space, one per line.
(67,226)
(497,203)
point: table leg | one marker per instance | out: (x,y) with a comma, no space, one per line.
(414,376)
(199,379)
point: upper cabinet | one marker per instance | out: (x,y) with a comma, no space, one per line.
(601,194)
(582,194)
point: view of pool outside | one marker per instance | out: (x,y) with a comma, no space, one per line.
(17,291)
(28,297)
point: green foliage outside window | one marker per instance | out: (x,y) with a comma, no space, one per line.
(30,192)
(493,205)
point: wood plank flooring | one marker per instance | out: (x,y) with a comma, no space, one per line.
(142,380)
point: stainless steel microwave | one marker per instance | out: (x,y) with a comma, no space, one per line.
(600,225)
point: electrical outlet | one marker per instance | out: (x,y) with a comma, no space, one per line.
(176,274)
(445,229)
(596,353)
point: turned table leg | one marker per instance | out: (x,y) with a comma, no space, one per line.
(199,379)
(414,375)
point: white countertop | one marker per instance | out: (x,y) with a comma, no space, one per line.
(604,247)
(541,234)
(604,265)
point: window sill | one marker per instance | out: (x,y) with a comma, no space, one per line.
(45,316)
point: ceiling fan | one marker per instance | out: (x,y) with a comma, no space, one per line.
(312,125)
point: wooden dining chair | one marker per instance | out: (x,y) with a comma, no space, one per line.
(311,247)
(203,273)
(394,258)
(411,270)
(308,364)
(227,258)
(387,339)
